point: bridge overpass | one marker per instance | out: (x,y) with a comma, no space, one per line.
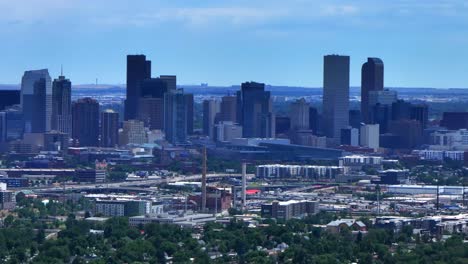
(134,184)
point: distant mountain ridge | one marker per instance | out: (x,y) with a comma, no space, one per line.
(276,90)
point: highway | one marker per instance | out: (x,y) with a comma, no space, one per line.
(134,183)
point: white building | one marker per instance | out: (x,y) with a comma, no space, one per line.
(298,171)
(439,154)
(449,140)
(370,136)
(226,131)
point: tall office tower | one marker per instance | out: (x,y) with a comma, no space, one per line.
(228,111)
(381,114)
(151,112)
(282,125)
(299,114)
(355,118)
(170,80)
(85,122)
(313,120)
(153,87)
(420,113)
(9,98)
(210,110)
(372,79)
(175,117)
(189,106)
(454,120)
(133,132)
(138,69)
(254,109)
(61,105)
(369,136)
(36,100)
(14,123)
(335,95)
(401,110)
(151,102)
(109,128)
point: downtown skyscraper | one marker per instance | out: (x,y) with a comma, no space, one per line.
(36,100)
(335,95)
(175,117)
(138,69)
(85,120)
(372,79)
(255,112)
(61,105)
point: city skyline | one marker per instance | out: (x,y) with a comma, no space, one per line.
(286,40)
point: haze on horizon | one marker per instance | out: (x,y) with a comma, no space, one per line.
(423,44)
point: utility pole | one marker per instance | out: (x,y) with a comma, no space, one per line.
(203,196)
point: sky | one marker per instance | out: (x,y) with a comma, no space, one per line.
(226,42)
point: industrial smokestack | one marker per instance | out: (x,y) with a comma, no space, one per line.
(244,184)
(203,195)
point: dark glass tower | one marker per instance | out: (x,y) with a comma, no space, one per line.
(335,95)
(175,117)
(85,122)
(138,69)
(109,128)
(36,100)
(61,105)
(372,79)
(9,98)
(255,111)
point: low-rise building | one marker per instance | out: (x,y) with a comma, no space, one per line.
(286,210)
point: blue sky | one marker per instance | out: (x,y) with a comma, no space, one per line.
(280,42)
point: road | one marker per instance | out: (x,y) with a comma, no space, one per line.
(135,183)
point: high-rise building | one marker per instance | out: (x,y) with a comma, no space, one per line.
(335,95)
(355,118)
(133,132)
(151,112)
(61,105)
(170,80)
(350,136)
(313,120)
(153,88)
(369,136)
(455,120)
(401,110)
(299,114)
(228,109)
(36,100)
(254,109)
(175,117)
(210,110)
(151,102)
(109,128)
(138,69)
(56,141)
(420,112)
(85,122)
(226,131)
(9,98)
(380,114)
(372,79)
(189,106)
(14,123)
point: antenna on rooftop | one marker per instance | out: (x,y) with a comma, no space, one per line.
(61,69)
